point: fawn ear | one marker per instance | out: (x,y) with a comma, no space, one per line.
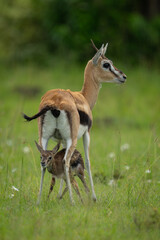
(56,148)
(40,149)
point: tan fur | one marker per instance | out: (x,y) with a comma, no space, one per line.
(68,101)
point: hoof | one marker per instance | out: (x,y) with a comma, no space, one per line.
(59,197)
(94,198)
(72,202)
(82,202)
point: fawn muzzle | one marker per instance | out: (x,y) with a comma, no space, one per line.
(43,164)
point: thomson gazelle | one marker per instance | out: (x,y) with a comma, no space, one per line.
(66,116)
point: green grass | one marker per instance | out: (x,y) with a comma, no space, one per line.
(129,206)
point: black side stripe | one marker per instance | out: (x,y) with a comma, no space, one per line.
(85,119)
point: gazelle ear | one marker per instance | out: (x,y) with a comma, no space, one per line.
(97,55)
(56,148)
(105,49)
(40,149)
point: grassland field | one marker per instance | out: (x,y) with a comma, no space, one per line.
(124,153)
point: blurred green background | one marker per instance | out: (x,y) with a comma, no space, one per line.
(34,30)
(46,44)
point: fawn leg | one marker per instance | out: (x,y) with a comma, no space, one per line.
(51,186)
(65,190)
(84,183)
(76,188)
(60,189)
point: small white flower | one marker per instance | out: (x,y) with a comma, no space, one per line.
(149,180)
(14,170)
(26,149)
(127,167)
(15,189)
(148,171)
(9,142)
(125,147)
(111,155)
(11,195)
(111,182)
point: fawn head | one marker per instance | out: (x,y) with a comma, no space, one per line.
(47,156)
(103,68)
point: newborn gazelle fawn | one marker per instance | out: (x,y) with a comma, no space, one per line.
(53,162)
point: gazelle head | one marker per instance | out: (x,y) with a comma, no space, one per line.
(103,68)
(47,156)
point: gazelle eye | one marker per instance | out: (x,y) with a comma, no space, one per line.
(106,65)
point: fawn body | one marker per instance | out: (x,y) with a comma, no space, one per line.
(53,162)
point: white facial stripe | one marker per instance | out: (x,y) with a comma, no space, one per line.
(117,73)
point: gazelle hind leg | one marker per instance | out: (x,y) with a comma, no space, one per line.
(68,125)
(86,143)
(67,165)
(69,151)
(73,119)
(41,185)
(51,185)
(44,146)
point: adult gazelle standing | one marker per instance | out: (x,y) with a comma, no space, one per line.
(67,116)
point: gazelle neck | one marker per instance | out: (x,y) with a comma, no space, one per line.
(91,86)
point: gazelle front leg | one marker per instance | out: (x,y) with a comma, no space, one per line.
(86,143)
